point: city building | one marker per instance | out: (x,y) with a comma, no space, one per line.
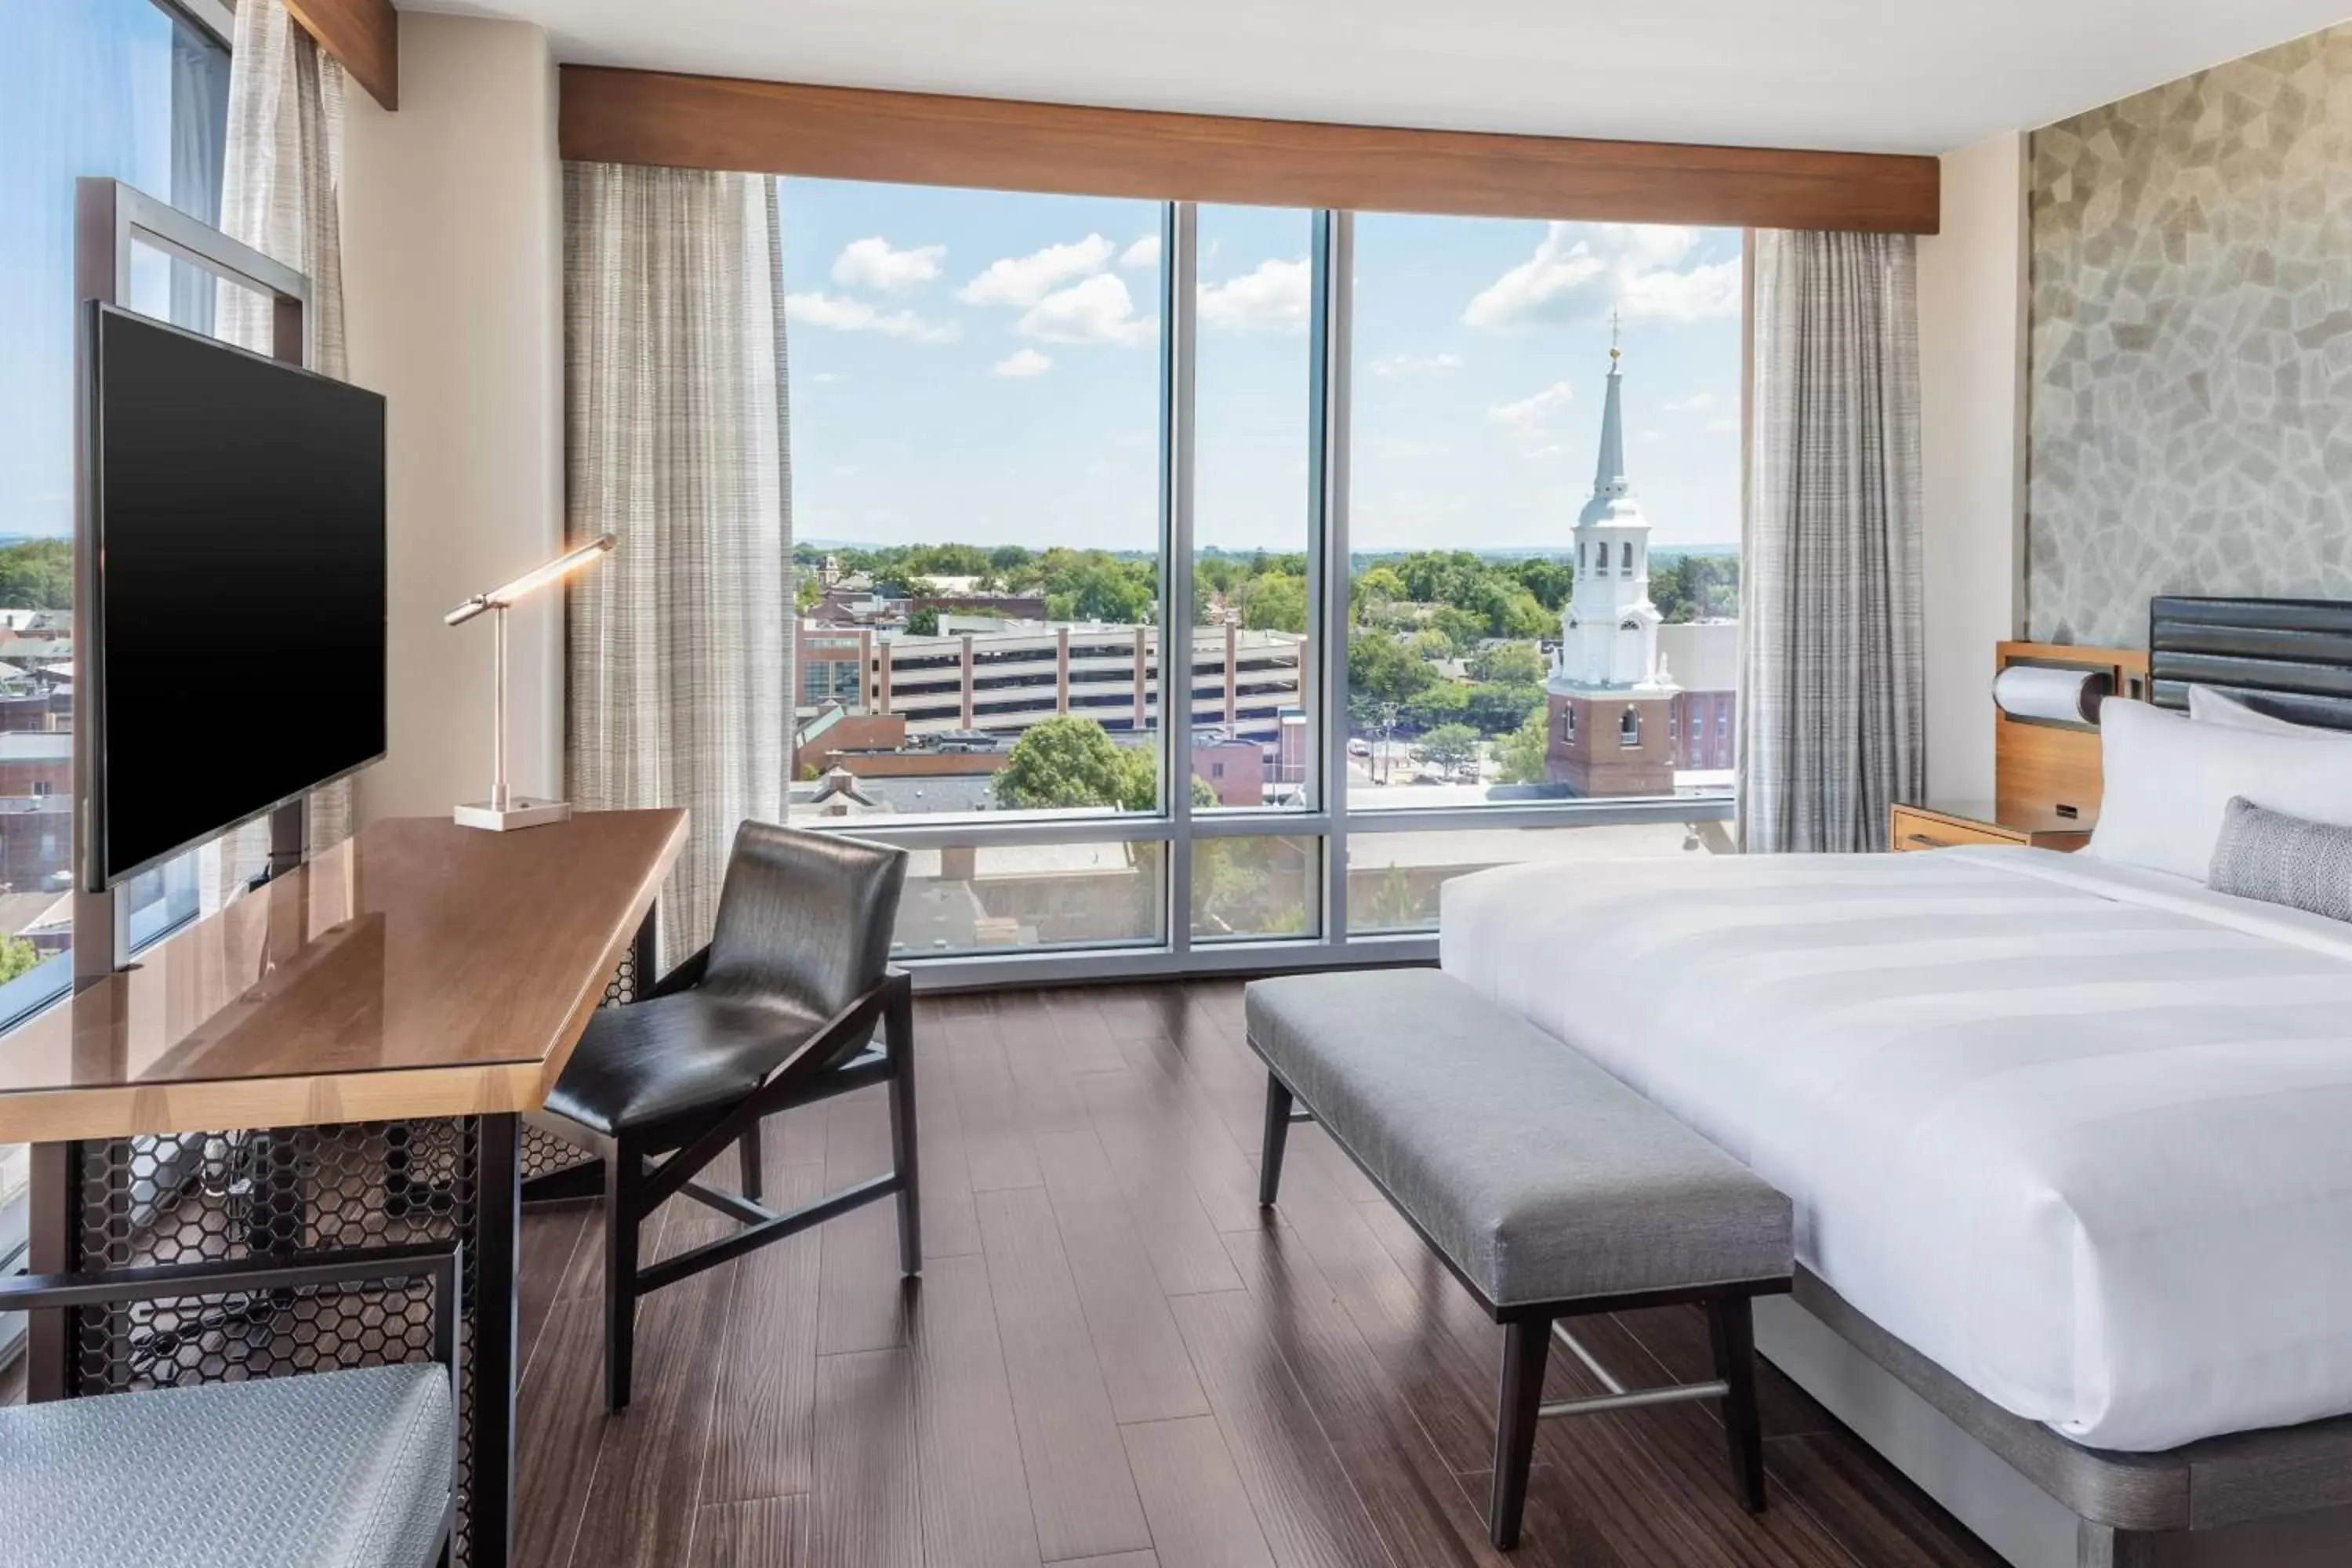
(1611,698)
(1001,682)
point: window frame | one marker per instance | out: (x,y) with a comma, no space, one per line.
(1326,818)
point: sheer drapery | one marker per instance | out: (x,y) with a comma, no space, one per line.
(680,645)
(1832,731)
(279,176)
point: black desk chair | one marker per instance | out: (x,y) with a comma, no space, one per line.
(778,1011)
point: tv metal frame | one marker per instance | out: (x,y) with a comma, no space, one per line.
(110,220)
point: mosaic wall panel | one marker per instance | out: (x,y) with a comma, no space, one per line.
(2192,344)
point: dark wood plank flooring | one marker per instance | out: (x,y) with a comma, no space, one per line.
(1114,1360)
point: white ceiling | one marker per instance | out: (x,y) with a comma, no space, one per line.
(1921,76)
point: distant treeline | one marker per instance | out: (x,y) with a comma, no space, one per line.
(37,574)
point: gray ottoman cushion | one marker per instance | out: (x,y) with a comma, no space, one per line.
(344,1467)
(1541,1176)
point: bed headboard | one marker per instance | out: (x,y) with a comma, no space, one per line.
(2288,657)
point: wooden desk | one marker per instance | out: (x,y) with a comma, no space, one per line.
(337,1058)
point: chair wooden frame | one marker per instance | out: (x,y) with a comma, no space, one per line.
(634,1177)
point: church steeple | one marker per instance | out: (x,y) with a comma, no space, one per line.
(1610,485)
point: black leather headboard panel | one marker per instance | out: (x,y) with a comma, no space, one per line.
(2288,657)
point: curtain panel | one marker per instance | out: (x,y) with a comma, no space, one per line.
(1831,726)
(676,440)
(281,171)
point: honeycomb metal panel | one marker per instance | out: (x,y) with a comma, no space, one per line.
(214,1196)
(543,1153)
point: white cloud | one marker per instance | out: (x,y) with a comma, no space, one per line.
(1648,437)
(1097,311)
(1531,416)
(843,314)
(1697,403)
(1582,271)
(1144,252)
(822,377)
(874,263)
(1726,426)
(1272,298)
(1416,364)
(1022,363)
(1022,281)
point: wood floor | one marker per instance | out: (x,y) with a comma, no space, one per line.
(1115,1361)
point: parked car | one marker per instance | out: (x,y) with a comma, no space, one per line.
(1360,748)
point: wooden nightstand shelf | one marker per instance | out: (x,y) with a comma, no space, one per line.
(1946,825)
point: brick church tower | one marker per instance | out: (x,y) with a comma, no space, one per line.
(1611,697)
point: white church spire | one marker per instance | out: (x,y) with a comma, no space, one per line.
(1609,633)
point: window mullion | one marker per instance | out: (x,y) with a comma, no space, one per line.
(1333,310)
(1178,306)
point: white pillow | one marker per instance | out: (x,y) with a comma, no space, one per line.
(2208,706)
(2170,780)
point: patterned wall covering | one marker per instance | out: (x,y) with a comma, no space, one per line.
(2192,344)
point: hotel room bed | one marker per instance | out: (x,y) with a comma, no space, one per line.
(2080,1134)
(2069,1139)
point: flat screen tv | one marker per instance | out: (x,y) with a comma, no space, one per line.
(233,625)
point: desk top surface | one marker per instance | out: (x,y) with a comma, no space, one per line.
(419,969)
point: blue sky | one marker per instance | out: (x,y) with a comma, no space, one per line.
(983,367)
(85,88)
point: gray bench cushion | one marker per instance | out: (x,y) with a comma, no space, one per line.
(344,1467)
(1541,1176)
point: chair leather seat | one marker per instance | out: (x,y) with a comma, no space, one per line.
(349,1467)
(654,1062)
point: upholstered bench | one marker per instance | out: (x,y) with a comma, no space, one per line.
(353,1467)
(1550,1188)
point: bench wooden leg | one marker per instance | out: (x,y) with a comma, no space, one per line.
(1524,1347)
(1731,1324)
(1277,1135)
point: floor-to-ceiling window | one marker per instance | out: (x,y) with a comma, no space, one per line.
(1460,500)
(137,90)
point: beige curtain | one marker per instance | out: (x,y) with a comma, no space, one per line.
(280,178)
(1831,725)
(680,645)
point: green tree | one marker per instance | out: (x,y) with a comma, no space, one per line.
(1463,628)
(808,594)
(1451,747)
(1522,752)
(1275,602)
(923,623)
(1382,668)
(16,954)
(37,574)
(1550,578)
(1495,709)
(1441,703)
(1373,588)
(1517,663)
(1066,762)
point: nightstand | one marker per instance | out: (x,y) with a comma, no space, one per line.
(1946,825)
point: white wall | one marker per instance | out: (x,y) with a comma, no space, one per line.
(453,294)
(1972,314)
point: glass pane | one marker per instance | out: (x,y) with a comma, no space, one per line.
(1545,510)
(1252,517)
(1028,896)
(1246,887)
(1393,878)
(976,495)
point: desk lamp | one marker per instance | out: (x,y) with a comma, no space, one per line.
(503,812)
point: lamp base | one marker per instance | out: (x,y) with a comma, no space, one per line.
(520,813)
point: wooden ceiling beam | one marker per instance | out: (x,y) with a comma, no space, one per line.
(363,35)
(780,127)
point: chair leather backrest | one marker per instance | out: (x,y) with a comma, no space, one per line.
(804,917)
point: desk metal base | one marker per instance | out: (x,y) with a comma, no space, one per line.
(182,1198)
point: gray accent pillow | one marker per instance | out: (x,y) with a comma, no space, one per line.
(2282,859)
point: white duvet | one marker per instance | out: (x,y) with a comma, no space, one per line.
(2082,1134)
